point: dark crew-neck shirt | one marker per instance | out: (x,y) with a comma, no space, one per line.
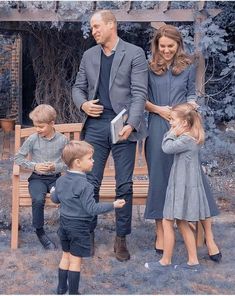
(103,87)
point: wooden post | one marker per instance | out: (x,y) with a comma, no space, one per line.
(200,75)
(20,78)
(15,213)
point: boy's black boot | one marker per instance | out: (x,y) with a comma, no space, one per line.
(62,285)
(45,240)
(73,279)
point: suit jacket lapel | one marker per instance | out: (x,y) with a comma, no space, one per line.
(96,66)
(119,54)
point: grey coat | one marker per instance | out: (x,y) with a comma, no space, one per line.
(127,86)
(185,196)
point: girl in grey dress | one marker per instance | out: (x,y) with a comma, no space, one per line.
(186,198)
(171,82)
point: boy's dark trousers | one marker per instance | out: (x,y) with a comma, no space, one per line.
(39,186)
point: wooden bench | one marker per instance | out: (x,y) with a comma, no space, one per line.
(21,197)
(20,194)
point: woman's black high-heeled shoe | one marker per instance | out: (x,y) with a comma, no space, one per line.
(216,257)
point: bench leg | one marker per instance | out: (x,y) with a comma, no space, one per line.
(14,220)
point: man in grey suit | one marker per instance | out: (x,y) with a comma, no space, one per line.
(112,76)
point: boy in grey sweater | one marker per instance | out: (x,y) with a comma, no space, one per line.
(44,147)
(77,208)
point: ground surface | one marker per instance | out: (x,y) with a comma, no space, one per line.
(31,270)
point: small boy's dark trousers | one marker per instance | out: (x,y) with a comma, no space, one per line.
(39,186)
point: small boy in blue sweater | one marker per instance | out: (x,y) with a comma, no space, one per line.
(77,208)
(44,147)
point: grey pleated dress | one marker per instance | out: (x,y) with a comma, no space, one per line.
(170,90)
(186,197)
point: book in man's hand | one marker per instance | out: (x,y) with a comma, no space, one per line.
(117,124)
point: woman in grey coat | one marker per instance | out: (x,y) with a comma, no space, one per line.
(171,81)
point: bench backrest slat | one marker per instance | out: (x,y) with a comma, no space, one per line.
(70,130)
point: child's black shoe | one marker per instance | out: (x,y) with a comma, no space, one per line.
(159,251)
(61,291)
(46,242)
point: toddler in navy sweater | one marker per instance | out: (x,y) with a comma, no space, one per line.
(77,208)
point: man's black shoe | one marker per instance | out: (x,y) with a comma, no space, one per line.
(46,242)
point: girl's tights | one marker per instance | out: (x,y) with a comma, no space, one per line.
(189,240)
(169,241)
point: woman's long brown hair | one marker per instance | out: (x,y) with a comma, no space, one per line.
(181,60)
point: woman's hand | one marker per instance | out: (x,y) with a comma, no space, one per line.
(193,104)
(164,112)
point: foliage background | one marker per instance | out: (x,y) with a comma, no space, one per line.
(56,49)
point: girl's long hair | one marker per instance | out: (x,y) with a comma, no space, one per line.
(194,121)
(181,60)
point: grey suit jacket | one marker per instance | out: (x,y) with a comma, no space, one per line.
(128,83)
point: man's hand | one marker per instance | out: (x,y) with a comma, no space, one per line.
(92,109)
(125,132)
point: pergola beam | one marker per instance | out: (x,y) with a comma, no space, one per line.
(164,5)
(157,25)
(143,15)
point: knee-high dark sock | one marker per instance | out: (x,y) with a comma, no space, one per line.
(73,278)
(62,281)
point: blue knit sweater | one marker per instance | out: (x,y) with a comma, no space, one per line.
(76,197)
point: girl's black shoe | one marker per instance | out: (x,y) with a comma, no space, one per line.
(216,258)
(159,251)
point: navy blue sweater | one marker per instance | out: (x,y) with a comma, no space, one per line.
(76,197)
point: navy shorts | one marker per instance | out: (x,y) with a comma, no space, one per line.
(74,236)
